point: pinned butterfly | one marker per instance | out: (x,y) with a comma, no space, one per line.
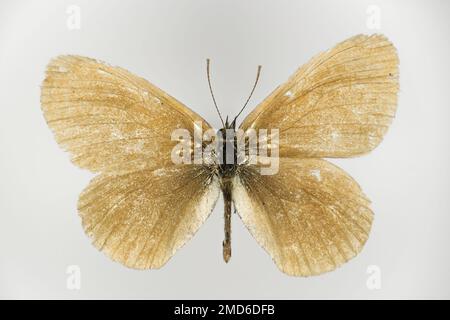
(310,217)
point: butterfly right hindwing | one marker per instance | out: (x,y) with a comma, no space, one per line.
(311,217)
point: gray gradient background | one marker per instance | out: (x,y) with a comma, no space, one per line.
(407,177)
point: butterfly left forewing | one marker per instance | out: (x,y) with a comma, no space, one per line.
(311,217)
(109,119)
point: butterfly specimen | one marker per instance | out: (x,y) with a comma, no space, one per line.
(310,216)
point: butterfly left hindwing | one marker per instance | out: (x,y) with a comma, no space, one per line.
(141,218)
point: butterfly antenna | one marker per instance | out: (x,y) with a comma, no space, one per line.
(208,73)
(251,93)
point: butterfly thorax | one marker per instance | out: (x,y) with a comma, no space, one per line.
(227,151)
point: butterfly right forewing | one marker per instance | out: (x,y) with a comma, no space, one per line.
(340,104)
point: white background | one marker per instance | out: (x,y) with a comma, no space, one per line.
(407,177)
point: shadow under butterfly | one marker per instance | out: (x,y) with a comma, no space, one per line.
(311,217)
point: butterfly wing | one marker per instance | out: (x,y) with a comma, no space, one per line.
(141,218)
(339,104)
(311,216)
(109,119)
(142,207)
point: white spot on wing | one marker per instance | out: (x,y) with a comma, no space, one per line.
(137,147)
(334,135)
(116,134)
(100,71)
(373,140)
(316,174)
(159,172)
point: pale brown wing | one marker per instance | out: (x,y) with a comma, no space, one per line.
(109,119)
(142,207)
(141,218)
(311,217)
(339,104)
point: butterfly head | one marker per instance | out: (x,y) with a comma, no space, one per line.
(230,125)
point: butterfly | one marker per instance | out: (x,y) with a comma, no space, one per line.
(310,217)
